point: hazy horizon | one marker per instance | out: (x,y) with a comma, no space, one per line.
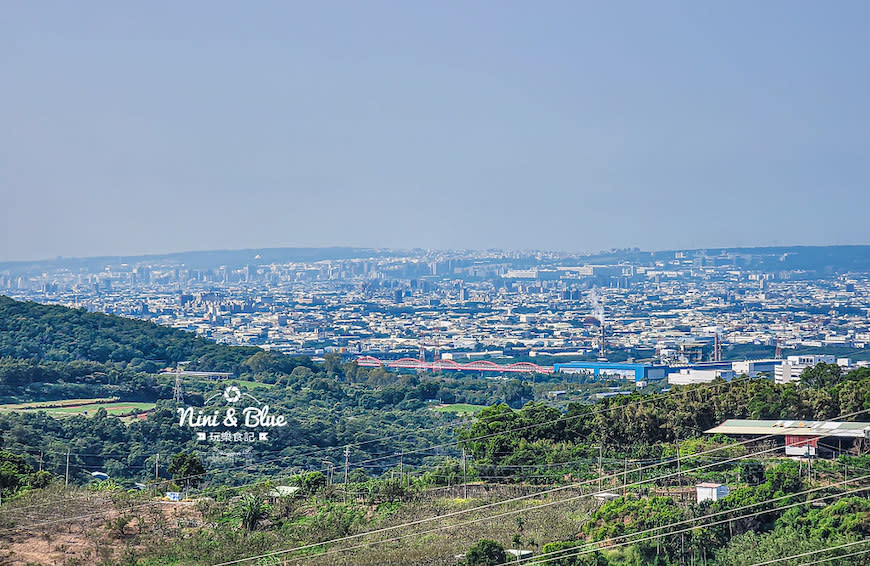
(398,250)
(164,128)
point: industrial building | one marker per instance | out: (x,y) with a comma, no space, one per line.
(802,438)
(641,373)
(689,376)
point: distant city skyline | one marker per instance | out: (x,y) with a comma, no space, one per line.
(164,127)
(670,307)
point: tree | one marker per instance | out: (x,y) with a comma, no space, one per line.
(309,482)
(251,510)
(784,477)
(332,362)
(187,468)
(15,472)
(485,553)
(821,375)
(751,471)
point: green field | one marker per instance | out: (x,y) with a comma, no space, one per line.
(460,408)
(89,407)
(54,404)
(210,384)
(251,384)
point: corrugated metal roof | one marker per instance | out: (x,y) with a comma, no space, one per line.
(792,427)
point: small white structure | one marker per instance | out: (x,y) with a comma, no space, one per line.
(708,491)
(280,491)
(605,496)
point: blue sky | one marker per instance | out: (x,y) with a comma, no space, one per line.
(571,126)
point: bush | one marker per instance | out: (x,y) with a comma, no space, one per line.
(485,553)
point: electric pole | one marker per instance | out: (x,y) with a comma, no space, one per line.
(679,465)
(625,477)
(464,476)
(66,476)
(156,469)
(346,460)
(600,470)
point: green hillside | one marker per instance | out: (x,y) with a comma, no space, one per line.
(40,332)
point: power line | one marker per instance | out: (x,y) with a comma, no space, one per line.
(812,552)
(568,500)
(511,500)
(823,560)
(421,521)
(530,426)
(554,421)
(593,546)
(683,392)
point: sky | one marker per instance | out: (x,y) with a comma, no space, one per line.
(130,128)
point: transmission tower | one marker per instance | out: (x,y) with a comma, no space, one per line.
(778,353)
(602,342)
(177,391)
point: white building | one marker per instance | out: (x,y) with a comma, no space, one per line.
(690,376)
(753,367)
(791,368)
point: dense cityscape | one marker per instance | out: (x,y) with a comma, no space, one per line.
(678,307)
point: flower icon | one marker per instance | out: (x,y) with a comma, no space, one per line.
(232,394)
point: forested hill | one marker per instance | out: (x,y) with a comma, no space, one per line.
(50,352)
(52,333)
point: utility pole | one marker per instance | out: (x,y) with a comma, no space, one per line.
(346,460)
(600,470)
(66,476)
(329,471)
(40,461)
(625,477)
(402,467)
(156,467)
(464,476)
(679,464)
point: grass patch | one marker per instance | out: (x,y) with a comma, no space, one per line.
(252,384)
(89,407)
(460,408)
(204,385)
(54,404)
(118,408)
